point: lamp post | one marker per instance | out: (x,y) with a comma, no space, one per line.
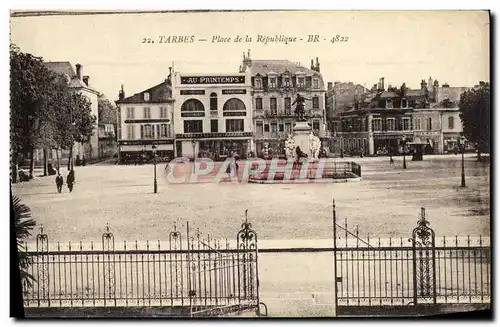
(193,142)
(404,151)
(461,144)
(154,163)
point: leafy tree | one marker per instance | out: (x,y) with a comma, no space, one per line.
(107,112)
(475,115)
(23,224)
(30,82)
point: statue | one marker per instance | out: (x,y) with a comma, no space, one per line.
(300,110)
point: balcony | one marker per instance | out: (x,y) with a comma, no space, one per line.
(279,113)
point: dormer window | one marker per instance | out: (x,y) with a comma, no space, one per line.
(146,96)
(404,103)
(272,82)
(388,103)
(258,83)
(315,83)
(301,82)
(286,81)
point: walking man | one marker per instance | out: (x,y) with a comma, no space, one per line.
(59,182)
(70,180)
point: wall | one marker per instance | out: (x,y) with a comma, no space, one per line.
(139,114)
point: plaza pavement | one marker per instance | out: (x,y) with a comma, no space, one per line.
(385,203)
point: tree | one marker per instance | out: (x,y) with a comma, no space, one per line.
(23,224)
(475,115)
(107,112)
(30,82)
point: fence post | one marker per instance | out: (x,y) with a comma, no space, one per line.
(334,218)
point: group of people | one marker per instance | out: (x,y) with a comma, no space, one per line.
(70,180)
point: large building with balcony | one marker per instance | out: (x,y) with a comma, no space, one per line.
(145,119)
(275,85)
(212,115)
(382,121)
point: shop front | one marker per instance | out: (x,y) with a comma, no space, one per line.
(216,146)
(391,144)
(131,151)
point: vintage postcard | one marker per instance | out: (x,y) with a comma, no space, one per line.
(260,164)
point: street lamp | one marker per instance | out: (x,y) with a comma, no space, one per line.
(461,144)
(193,142)
(404,151)
(154,163)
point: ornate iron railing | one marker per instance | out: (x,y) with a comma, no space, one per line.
(194,274)
(421,270)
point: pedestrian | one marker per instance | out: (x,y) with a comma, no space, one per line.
(391,161)
(59,182)
(70,180)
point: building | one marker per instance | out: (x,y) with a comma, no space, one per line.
(382,121)
(107,140)
(77,82)
(274,85)
(145,119)
(212,115)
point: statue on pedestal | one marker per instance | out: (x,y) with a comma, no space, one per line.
(300,110)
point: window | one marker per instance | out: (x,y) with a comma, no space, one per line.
(417,124)
(213,101)
(388,103)
(288,103)
(233,105)
(272,82)
(406,124)
(192,105)
(404,103)
(390,124)
(165,130)
(259,128)
(258,83)
(288,128)
(315,83)
(266,128)
(315,102)
(308,82)
(147,131)
(130,113)
(429,124)
(274,128)
(377,124)
(286,81)
(193,126)
(214,126)
(451,122)
(281,127)
(300,82)
(147,113)
(146,96)
(258,103)
(234,125)
(316,125)
(163,112)
(273,104)
(130,132)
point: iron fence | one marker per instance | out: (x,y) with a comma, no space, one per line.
(421,270)
(196,275)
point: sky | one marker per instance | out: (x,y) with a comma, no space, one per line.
(402,46)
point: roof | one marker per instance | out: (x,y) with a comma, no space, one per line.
(61,68)
(389,94)
(263,67)
(66,69)
(451,93)
(160,93)
(415,93)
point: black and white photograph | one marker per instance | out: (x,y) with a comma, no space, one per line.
(250,164)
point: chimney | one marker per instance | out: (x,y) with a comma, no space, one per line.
(312,64)
(317,64)
(79,71)
(121,94)
(423,85)
(86,80)
(382,87)
(330,86)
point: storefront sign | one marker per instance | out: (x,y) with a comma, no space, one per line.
(234,113)
(145,142)
(193,114)
(213,135)
(234,91)
(212,79)
(164,120)
(192,92)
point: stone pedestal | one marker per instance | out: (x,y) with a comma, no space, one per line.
(301,132)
